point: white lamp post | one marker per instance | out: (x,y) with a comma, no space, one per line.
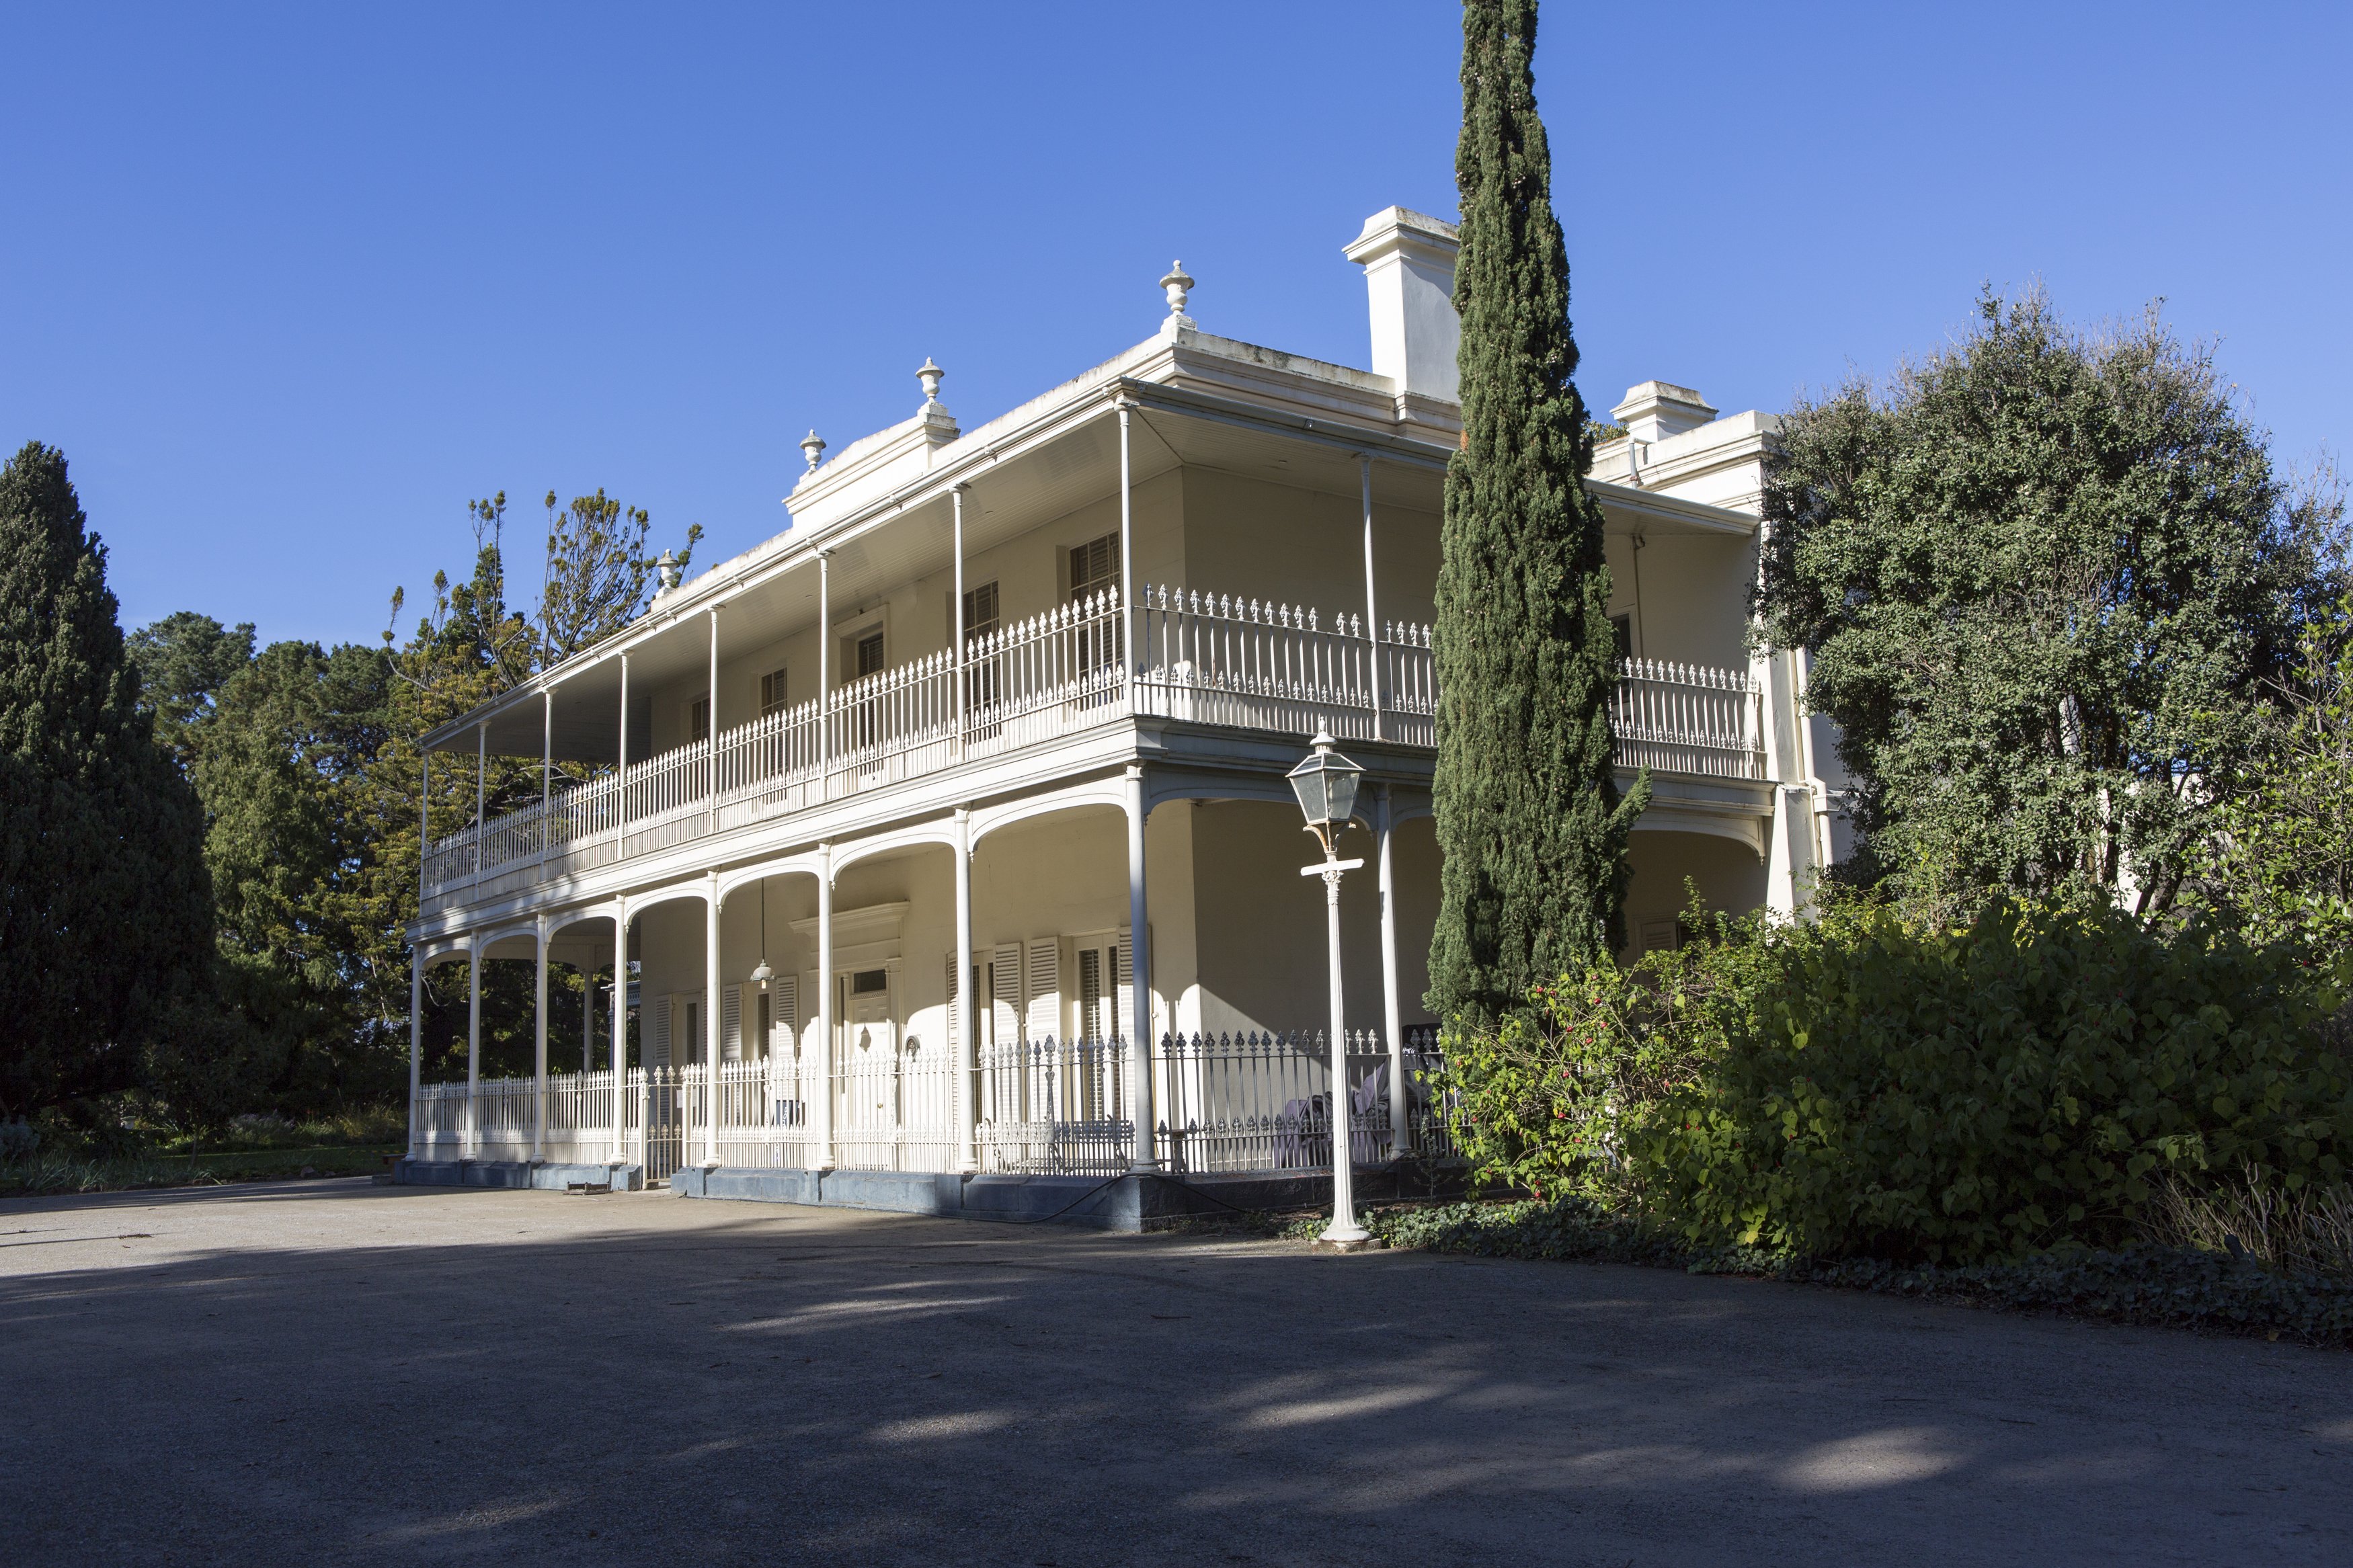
(1325,785)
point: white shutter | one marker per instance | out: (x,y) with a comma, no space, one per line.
(730,1024)
(956,1009)
(1044,988)
(1005,995)
(661,1031)
(1125,1025)
(784,1012)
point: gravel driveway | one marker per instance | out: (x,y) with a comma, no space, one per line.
(334,1371)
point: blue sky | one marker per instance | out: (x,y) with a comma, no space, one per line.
(290,286)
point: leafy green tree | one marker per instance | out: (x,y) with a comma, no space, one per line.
(282,773)
(2042,575)
(1529,815)
(2281,867)
(184,661)
(470,646)
(105,911)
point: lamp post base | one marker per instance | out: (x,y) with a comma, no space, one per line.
(1360,1241)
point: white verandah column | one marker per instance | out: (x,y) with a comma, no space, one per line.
(711,1017)
(964,697)
(967,1045)
(1372,605)
(415,1040)
(539,1047)
(1400,1123)
(1139,947)
(825,683)
(620,1023)
(711,757)
(1127,574)
(823,1128)
(474,1044)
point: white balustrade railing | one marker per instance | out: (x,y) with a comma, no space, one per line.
(1222,1104)
(1207,658)
(1055,1107)
(1264,1102)
(1688,718)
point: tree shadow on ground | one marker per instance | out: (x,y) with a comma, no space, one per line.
(336,1372)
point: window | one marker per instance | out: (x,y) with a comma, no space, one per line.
(868,981)
(869,654)
(1095,565)
(1623,626)
(697,719)
(979,621)
(771,694)
(979,611)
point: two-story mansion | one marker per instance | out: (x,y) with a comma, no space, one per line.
(947,831)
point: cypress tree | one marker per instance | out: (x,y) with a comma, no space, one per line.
(105,911)
(1530,819)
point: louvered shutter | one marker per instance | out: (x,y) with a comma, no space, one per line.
(1005,995)
(1125,1025)
(783,1013)
(1044,988)
(956,1005)
(661,1031)
(730,1024)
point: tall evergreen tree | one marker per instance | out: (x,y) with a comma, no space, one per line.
(1529,815)
(105,911)
(2045,577)
(184,661)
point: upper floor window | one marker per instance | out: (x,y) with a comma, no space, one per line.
(697,719)
(771,694)
(869,654)
(1095,565)
(979,611)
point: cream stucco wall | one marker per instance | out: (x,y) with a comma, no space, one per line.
(1729,876)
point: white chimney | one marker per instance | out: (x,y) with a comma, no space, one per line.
(1408,262)
(1658,409)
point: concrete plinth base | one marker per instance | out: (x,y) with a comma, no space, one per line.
(1125,1202)
(543,1177)
(1351,1244)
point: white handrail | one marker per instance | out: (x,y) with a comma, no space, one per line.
(1203,657)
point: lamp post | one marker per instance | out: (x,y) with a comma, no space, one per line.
(1325,785)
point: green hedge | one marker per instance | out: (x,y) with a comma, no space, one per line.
(1860,1086)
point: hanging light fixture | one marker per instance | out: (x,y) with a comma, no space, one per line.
(763,974)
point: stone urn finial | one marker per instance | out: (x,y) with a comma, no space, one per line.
(666,570)
(813,448)
(930,375)
(1179,286)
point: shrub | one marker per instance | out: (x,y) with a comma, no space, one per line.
(1865,1085)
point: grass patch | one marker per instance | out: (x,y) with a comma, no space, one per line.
(45,1173)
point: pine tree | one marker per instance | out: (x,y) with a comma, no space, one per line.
(1530,819)
(105,909)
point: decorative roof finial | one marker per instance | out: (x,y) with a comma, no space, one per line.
(1177,285)
(666,569)
(930,375)
(813,448)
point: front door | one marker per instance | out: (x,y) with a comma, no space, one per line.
(867,1107)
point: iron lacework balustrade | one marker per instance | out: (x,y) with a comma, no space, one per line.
(1222,1103)
(1204,658)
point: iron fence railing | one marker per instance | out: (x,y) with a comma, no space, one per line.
(1208,659)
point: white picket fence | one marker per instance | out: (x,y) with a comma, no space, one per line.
(1223,1104)
(1208,659)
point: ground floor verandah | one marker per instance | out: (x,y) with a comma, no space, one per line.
(970,996)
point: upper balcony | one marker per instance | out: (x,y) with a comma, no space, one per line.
(1210,662)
